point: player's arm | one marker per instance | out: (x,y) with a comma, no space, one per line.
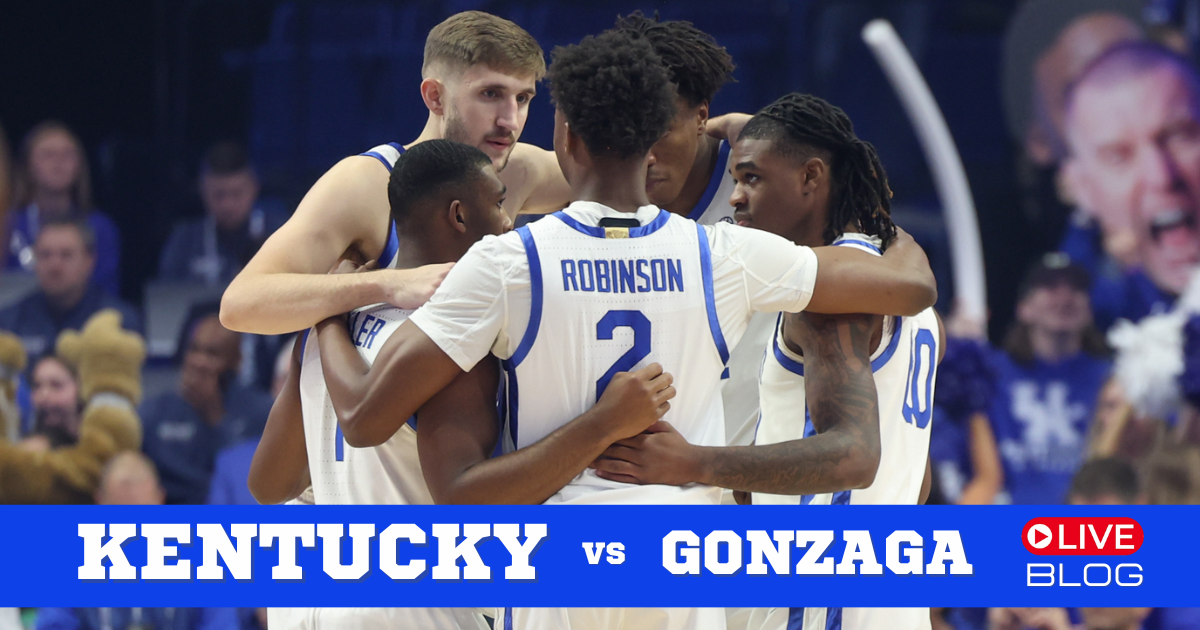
(844,454)
(727,126)
(284,288)
(852,281)
(458,431)
(279,470)
(372,402)
(548,190)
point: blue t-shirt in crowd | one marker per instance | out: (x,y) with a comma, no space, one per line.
(228,485)
(38,323)
(25,223)
(184,447)
(1041,414)
(156,618)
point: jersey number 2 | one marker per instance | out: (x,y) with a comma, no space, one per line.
(640,325)
(918,398)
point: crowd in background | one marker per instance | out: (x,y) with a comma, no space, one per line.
(1090,398)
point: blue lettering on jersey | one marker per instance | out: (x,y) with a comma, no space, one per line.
(367,330)
(623,276)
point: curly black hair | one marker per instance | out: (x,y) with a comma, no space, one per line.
(615,93)
(799,123)
(699,67)
(429,167)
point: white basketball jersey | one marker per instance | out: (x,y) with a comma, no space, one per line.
(607,300)
(905,366)
(341,474)
(387,154)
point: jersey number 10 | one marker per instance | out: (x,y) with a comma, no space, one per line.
(918,396)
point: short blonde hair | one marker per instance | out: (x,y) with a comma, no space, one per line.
(474,37)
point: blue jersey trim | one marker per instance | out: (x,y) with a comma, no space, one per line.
(797,368)
(508,619)
(390,248)
(714,182)
(512,399)
(382,160)
(860,243)
(833,619)
(795,619)
(710,301)
(598,232)
(535,304)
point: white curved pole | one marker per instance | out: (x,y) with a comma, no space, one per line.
(966,251)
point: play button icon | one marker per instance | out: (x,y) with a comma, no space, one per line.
(1039,536)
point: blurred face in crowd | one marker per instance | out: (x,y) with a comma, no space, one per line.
(230,197)
(672,157)
(1135,165)
(1113,618)
(779,194)
(129,479)
(487,109)
(212,352)
(1056,309)
(62,263)
(55,397)
(1077,45)
(55,161)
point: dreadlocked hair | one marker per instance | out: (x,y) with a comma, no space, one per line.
(698,66)
(798,123)
(615,93)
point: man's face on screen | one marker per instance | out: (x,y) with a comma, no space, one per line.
(1135,166)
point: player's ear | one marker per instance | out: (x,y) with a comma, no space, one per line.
(433,92)
(702,118)
(816,173)
(456,214)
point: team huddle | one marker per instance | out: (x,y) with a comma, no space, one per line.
(714,305)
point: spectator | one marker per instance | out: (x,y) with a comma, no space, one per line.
(1173,476)
(233,464)
(57,405)
(1105,481)
(1133,139)
(1048,379)
(5,185)
(53,184)
(214,248)
(966,464)
(129,479)
(184,429)
(65,255)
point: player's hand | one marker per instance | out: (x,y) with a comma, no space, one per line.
(660,455)
(635,400)
(411,288)
(727,126)
(349,266)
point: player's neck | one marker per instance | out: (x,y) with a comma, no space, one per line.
(1053,346)
(620,185)
(432,130)
(419,248)
(698,178)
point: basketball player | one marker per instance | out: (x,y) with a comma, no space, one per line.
(803,174)
(689,176)
(603,287)
(444,195)
(478,77)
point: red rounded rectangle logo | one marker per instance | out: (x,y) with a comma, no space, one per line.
(1075,536)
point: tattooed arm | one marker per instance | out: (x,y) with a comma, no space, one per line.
(844,454)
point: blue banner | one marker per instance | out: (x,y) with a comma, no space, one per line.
(677,556)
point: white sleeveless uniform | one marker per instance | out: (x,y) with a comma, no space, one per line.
(740,388)
(905,367)
(343,475)
(567,303)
